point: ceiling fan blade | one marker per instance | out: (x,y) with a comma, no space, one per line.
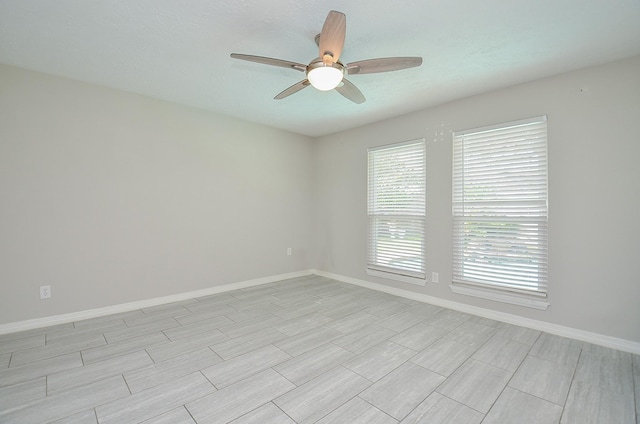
(332,35)
(386,64)
(350,91)
(293,89)
(270,61)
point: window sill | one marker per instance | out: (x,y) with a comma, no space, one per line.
(514,299)
(397,277)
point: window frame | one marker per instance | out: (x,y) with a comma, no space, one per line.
(412,218)
(527,226)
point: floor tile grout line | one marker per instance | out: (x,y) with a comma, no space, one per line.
(573,376)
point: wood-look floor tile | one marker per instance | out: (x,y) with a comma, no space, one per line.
(502,353)
(251,304)
(38,369)
(105,320)
(97,371)
(121,348)
(176,416)
(419,336)
(342,310)
(304,342)
(146,318)
(22,394)
(243,328)
(544,379)
(268,413)
(476,385)
(248,314)
(364,339)
(557,349)
(210,303)
(163,372)
(34,332)
(239,398)
(296,310)
(591,404)
(399,392)
(169,307)
(444,356)
(233,370)
(20,344)
(76,338)
(402,320)
(155,401)
(320,396)
(487,322)
(519,334)
(384,309)
(125,333)
(437,409)
(357,411)
(448,319)
(203,313)
(352,322)
(164,351)
(84,417)
(612,373)
(63,336)
(515,407)
(295,326)
(68,402)
(380,360)
(471,334)
(39,353)
(313,363)
(196,328)
(240,345)
(4,361)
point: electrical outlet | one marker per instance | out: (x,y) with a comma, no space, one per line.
(289,251)
(45,292)
(434,277)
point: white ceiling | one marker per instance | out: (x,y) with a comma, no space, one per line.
(179,50)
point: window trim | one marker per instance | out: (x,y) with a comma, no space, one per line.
(378,270)
(513,295)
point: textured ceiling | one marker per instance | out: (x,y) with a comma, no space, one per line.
(179,50)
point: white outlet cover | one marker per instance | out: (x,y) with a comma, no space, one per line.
(45,292)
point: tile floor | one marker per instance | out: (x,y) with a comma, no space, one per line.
(309,350)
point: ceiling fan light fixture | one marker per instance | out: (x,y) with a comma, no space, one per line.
(323,76)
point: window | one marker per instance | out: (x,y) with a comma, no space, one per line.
(396,211)
(500,212)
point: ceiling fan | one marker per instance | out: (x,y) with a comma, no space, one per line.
(326,72)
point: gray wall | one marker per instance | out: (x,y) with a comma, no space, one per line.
(594,193)
(111,197)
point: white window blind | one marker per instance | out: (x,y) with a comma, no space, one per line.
(396,209)
(500,208)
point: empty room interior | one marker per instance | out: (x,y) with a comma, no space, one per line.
(444,233)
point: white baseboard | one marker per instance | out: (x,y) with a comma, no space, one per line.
(560,330)
(147,303)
